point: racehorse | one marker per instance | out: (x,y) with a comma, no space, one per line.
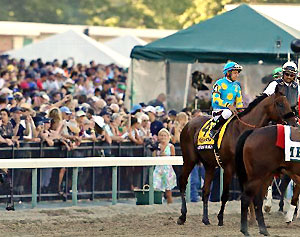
(258,159)
(258,114)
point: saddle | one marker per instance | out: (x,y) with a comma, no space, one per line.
(204,141)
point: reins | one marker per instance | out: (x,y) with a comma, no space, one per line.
(246,124)
(286,116)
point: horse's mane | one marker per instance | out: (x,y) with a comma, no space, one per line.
(255,102)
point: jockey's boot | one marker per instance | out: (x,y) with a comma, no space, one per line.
(219,123)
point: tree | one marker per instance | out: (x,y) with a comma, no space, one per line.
(202,10)
(163,14)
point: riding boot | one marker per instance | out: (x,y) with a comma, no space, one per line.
(219,123)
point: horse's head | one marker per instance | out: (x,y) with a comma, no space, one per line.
(279,108)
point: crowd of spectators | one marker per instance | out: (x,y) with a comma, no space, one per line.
(48,102)
(53,101)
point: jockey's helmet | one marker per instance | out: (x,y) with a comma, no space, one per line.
(289,67)
(231,66)
(277,72)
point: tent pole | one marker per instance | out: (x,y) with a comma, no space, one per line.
(167,68)
(187,80)
(131,84)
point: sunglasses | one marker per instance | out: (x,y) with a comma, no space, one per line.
(290,74)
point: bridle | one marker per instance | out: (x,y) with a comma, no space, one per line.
(284,117)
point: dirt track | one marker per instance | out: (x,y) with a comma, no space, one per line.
(131,220)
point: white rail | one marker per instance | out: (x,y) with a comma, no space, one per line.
(89,162)
(75,163)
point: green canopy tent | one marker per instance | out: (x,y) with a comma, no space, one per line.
(242,35)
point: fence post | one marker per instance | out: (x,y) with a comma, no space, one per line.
(151,190)
(34,188)
(188,190)
(114,184)
(74,186)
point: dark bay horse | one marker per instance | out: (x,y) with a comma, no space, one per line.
(258,159)
(259,113)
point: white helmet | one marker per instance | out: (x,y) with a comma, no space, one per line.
(290,67)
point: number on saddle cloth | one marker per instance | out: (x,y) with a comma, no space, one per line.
(204,141)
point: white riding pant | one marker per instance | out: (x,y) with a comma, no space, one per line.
(225,113)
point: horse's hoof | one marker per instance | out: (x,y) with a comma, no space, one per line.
(181,221)
(245,232)
(264,232)
(267,209)
(205,221)
(220,219)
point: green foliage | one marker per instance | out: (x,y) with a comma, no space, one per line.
(167,14)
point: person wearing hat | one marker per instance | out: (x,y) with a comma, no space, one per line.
(145,126)
(135,109)
(101,134)
(20,129)
(172,115)
(289,72)
(155,125)
(106,115)
(66,116)
(29,113)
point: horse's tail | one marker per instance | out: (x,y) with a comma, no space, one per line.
(239,162)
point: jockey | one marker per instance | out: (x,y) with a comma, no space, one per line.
(289,72)
(226,94)
(277,73)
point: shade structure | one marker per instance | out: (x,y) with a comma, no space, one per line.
(241,34)
(124,44)
(70,44)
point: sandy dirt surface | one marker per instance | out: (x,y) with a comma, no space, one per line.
(132,220)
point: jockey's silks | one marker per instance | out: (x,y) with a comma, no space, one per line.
(225,93)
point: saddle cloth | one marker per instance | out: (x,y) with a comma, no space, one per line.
(204,141)
(288,138)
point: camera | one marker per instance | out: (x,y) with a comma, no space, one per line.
(198,78)
(153,146)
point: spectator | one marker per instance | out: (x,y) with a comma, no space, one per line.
(155,125)
(164,177)
(114,125)
(6,129)
(180,122)
(19,129)
(159,101)
(133,132)
(145,126)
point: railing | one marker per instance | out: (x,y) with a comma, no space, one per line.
(74,163)
(92,181)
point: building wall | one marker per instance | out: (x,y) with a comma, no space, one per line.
(6,43)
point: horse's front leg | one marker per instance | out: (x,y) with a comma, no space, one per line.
(209,175)
(225,195)
(183,179)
